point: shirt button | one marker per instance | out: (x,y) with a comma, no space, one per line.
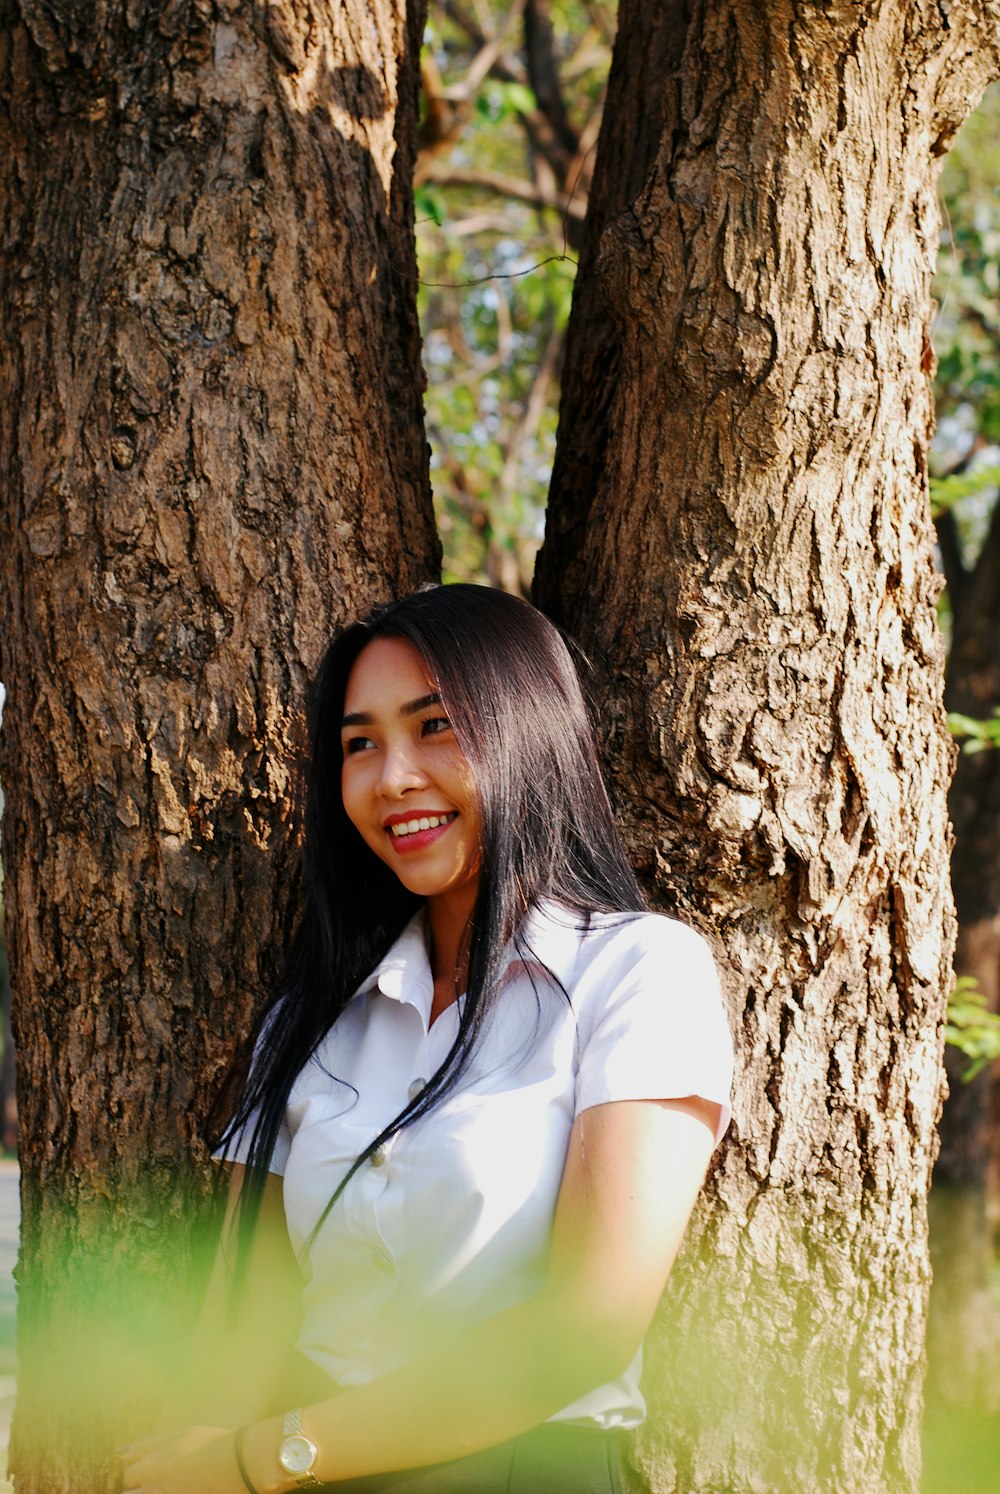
(416,1088)
(382,1261)
(380,1155)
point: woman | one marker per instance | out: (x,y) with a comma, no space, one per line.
(480,1113)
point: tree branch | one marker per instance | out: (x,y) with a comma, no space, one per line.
(512,187)
(543,73)
(531,416)
(486,57)
(502,66)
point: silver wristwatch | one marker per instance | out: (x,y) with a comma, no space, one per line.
(297,1452)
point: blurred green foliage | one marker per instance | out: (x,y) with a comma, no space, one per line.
(972,1027)
(965,460)
(977,735)
(949,492)
(968,275)
(965,474)
(501,191)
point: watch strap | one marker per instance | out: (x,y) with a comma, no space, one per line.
(292,1427)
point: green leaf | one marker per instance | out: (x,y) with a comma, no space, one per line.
(972,1027)
(947,491)
(517,97)
(429,202)
(982,734)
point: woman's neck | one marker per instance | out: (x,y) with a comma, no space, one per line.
(448,917)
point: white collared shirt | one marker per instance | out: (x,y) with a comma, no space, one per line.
(450,1222)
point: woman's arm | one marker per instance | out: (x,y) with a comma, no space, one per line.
(240,1347)
(633,1172)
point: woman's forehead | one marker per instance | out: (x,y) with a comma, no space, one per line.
(388,672)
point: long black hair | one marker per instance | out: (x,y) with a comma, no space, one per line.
(508,684)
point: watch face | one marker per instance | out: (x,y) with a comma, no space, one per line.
(297,1454)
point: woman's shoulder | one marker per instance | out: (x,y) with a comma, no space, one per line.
(635,936)
(611,946)
(650,1015)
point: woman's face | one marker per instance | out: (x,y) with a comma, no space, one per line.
(405,782)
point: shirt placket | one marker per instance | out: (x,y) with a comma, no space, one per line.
(375,1176)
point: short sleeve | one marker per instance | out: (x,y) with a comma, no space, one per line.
(236,1145)
(237,1148)
(652,1024)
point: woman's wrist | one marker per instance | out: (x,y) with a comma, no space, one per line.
(248,1482)
(258,1460)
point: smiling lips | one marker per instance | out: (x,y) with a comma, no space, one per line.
(418,830)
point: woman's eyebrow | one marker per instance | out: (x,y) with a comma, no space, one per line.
(413,706)
(364,718)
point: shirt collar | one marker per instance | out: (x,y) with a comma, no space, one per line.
(549,942)
(404,973)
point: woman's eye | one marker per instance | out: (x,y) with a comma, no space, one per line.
(435,724)
(356,744)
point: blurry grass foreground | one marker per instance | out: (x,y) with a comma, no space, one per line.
(961,1451)
(105,1313)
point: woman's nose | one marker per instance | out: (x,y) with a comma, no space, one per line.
(400,772)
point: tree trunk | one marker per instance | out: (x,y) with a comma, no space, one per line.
(964,1326)
(8,1064)
(212,450)
(739,534)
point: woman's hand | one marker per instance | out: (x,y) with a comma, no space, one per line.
(192,1460)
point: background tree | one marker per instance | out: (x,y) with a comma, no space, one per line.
(753,571)
(481,367)
(207,296)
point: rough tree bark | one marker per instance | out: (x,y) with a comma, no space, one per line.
(209,331)
(8,1067)
(739,532)
(964,1325)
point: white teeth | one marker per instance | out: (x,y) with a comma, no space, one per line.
(429,822)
